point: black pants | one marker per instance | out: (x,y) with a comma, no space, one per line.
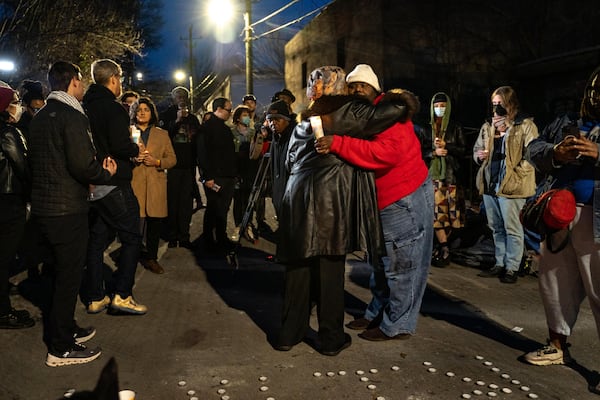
(321,278)
(68,239)
(217,207)
(240,202)
(153,227)
(12,226)
(118,212)
(179,199)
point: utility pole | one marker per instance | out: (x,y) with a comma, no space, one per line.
(191,66)
(190,39)
(248,43)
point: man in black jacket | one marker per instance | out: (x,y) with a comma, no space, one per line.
(114,207)
(182,187)
(217,161)
(63,164)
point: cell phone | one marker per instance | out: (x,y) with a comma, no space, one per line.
(571,130)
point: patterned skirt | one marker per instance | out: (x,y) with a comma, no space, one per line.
(448,211)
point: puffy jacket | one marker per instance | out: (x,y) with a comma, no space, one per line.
(109,122)
(15,177)
(63,162)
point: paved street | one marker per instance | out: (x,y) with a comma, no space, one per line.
(208,322)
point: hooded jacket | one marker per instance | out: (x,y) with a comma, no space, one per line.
(444,168)
(109,122)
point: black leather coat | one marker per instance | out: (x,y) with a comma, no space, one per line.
(329,206)
(15,177)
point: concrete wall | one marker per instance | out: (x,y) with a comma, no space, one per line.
(465,48)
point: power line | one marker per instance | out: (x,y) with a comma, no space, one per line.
(291,22)
(274,13)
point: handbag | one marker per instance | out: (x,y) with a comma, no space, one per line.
(552,211)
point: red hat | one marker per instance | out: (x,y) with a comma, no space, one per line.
(7,95)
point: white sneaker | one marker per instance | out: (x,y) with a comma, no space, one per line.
(548,355)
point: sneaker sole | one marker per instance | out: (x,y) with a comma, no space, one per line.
(84,339)
(126,310)
(558,361)
(96,311)
(53,361)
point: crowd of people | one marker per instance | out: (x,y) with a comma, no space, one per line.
(107,164)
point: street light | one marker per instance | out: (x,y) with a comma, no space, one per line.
(180,77)
(222,12)
(7,66)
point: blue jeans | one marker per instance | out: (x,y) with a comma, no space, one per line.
(118,213)
(408,232)
(503,219)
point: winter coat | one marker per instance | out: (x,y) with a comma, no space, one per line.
(455,145)
(183,135)
(109,122)
(149,183)
(329,207)
(216,150)
(15,177)
(63,161)
(519,178)
(279,171)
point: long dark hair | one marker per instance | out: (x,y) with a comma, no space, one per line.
(151,106)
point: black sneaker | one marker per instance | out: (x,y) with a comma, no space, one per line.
(509,277)
(16,319)
(78,354)
(493,272)
(82,335)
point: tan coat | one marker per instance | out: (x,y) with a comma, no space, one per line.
(149,182)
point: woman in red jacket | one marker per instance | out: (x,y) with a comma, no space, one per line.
(405,202)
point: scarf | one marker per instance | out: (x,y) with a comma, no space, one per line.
(66,98)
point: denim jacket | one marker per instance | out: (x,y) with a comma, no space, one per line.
(540,153)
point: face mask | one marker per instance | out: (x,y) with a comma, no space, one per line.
(18,112)
(439,111)
(246,121)
(499,110)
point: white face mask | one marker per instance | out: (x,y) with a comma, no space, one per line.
(17,114)
(439,111)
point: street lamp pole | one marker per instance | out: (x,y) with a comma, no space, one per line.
(248,43)
(191,61)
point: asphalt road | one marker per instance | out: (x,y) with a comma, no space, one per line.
(208,322)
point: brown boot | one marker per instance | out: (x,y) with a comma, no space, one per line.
(152,266)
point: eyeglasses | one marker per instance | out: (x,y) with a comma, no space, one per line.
(228,109)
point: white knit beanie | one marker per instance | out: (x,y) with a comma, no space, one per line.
(364,73)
